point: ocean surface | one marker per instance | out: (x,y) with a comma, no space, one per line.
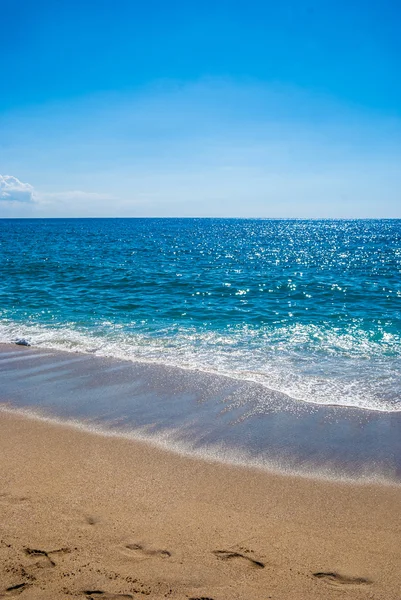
(311,309)
(267,342)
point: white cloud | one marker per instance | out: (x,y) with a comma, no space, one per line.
(19,199)
(14,190)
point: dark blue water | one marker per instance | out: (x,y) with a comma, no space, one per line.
(308,308)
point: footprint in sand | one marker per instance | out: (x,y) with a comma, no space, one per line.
(14,590)
(100,594)
(44,558)
(333,578)
(139,551)
(229,555)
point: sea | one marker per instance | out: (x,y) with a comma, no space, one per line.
(256,318)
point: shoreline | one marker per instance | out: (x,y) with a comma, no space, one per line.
(229,461)
(203,415)
(11,346)
(88,513)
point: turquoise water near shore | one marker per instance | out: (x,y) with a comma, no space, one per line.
(311,309)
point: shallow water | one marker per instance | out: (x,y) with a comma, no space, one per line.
(202,414)
(311,309)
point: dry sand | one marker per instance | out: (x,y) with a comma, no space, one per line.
(88,516)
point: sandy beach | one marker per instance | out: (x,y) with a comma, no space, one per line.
(87,516)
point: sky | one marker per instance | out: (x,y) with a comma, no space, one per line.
(196,108)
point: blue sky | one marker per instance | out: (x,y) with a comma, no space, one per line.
(187,108)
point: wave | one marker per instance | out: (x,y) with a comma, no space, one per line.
(308,363)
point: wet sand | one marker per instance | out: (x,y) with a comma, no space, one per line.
(204,414)
(88,516)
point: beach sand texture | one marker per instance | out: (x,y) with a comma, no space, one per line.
(87,516)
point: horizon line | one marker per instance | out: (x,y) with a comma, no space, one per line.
(208,218)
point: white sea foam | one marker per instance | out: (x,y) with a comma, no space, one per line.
(307,364)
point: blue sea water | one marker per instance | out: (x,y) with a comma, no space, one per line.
(308,308)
